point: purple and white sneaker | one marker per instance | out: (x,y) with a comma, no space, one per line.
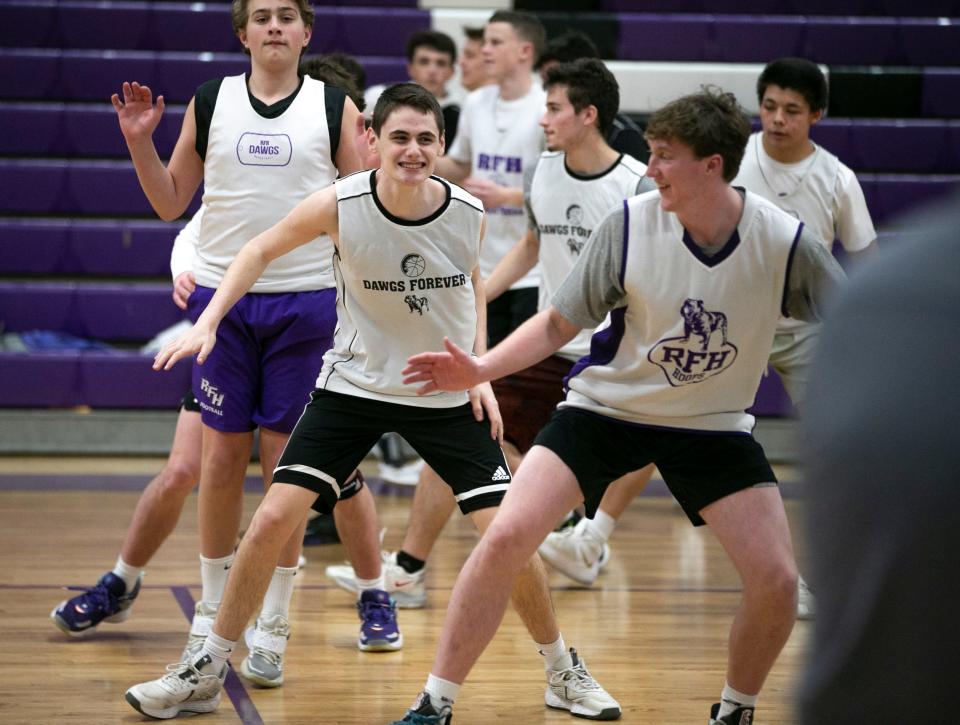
(379,631)
(106,601)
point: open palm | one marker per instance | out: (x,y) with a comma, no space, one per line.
(136,112)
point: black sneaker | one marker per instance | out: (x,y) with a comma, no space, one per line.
(424,713)
(740,716)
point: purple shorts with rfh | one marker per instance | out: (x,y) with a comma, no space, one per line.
(268,354)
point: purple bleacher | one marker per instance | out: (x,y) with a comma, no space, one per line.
(89,75)
(921,8)
(916,145)
(73,187)
(941,92)
(889,195)
(103,247)
(75,130)
(121,312)
(81,24)
(101,380)
(750,38)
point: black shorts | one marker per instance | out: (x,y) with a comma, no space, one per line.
(510,310)
(189,402)
(336,431)
(698,468)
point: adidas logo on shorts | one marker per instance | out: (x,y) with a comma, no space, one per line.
(500,475)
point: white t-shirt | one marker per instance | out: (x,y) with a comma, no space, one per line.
(499,139)
(819,190)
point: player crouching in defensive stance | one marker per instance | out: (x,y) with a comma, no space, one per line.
(694,277)
(393,228)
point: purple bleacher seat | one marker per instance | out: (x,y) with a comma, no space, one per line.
(755,39)
(33,246)
(129,381)
(101,380)
(664,37)
(918,146)
(892,194)
(941,92)
(772,400)
(180,74)
(121,248)
(33,129)
(930,41)
(75,130)
(33,26)
(834,135)
(30,73)
(383,70)
(102,247)
(95,75)
(99,25)
(122,312)
(40,380)
(366,30)
(193,27)
(31,185)
(852,40)
(924,8)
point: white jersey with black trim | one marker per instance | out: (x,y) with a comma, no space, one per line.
(500,139)
(567,208)
(689,346)
(255,171)
(819,190)
(402,286)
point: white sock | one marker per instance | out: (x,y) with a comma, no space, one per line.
(213,577)
(731,699)
(601,525)
(442,692)
(128,573)
(364,585)
(555,655)
(218,650)
(279,593)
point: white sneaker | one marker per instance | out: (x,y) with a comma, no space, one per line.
(408,590)
(183,689)
(406,475)
(574,552)
(267,642)
(806,603)
(201,626)
(574,689)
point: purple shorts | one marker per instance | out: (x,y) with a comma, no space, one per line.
(265,364)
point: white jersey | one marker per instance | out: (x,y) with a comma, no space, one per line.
(401,287)
(256,169)
(499,139)
(688,345)
(819,190)
(565,208)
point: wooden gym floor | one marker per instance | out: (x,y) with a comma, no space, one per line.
(652,630)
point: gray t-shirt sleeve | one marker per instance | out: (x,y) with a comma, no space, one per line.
(645,184)
(814,273)
(527,186)
(593,286)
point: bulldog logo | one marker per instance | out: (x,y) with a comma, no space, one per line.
(702,352)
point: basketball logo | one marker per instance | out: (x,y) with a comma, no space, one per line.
(413,265)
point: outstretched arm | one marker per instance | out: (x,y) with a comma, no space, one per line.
(315,215)
(540,336)
(169,188)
